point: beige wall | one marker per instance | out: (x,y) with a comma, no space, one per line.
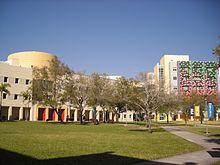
(165,62)
(28,59)
(13,72)
(156,74)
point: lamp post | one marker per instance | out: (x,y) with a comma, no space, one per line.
(203,115)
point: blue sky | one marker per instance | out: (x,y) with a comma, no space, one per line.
(117,37)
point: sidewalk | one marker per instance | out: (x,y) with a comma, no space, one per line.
(209,155)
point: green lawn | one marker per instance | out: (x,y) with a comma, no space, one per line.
(213,132)
(54,143)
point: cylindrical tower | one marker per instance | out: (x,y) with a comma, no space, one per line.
(30,58)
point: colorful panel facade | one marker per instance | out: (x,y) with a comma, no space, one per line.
(197,77)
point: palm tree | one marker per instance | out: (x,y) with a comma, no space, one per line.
(27,97)
(216,52)
(3,89)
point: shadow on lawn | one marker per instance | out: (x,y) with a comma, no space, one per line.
(217,141)
(106,158)
(146,130)
(216,135)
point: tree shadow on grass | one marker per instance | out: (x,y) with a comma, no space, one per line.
(146,130)
(216,135)
(215,152)
(217,141)
(106,158)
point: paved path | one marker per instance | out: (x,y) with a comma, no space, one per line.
(209,155)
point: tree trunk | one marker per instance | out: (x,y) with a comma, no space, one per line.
(94,115)
(201,116)
(59,115)
(149,128)
(147,124)
(167,118)
(81,119)
(156,116)
(104,116)
(185,119)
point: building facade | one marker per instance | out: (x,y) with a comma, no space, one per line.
(162,71)
(13,105)
(17,71)
(197,77)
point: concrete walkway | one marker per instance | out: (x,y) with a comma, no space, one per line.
(209,155)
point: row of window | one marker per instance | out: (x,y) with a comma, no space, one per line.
(125,116)
(4,96)
(16,81)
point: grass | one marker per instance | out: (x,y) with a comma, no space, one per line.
(213,132)
(54,143)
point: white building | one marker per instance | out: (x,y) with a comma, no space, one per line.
(13,106)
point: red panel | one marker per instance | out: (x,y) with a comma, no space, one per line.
(44,115)
(62,115)
(53,115)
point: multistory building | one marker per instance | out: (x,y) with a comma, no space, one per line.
(17,71)
(162,70)
(197,77)
(13,105)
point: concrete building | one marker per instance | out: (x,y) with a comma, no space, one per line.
(13,106)
(173,81)
(17,71)
(127,116)
(162,70)
(198,77)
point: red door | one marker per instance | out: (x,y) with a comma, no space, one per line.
(62,114)
(53,115)
(44,115)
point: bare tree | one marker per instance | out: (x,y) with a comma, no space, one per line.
(168,104)
(76,92)
(48,84)
(145,95)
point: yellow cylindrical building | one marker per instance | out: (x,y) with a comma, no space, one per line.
(30,59)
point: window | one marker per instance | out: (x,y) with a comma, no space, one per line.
(174,69)
(4,96)
(15,97)
(27,82)
(175,88)
(175,78)
(16,80)
(130,116)
(162,116)
(124,116)
(5,79)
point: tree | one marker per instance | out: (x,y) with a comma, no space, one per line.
(145,95)
(216,51)
(27,97)
(99,93)
(3,89)
(168,104)
(48,84)
(121,91)
(76,92)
